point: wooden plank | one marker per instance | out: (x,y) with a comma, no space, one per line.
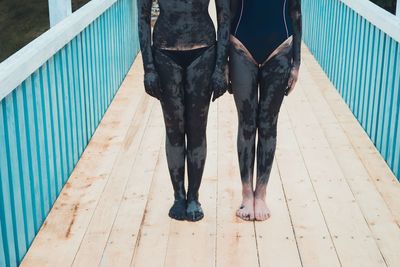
(33,151)
(351,235)
(59,10)
(54,123)
(185,238)
(313,237)
(80,91)
(151,246)
(50,136)
(64,91)
(62,129)
(95,238)
(6,206)
(283,250)
(67,221)
(2,248)
(15,186)
(125,229)
(236,242)
(398,8)
(73,103)
(391,100)
(42,158)
(21,136)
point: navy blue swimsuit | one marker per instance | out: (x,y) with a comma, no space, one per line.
(262,26)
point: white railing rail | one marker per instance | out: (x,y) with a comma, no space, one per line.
(379,17)
(19,66)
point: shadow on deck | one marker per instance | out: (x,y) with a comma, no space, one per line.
(333,199)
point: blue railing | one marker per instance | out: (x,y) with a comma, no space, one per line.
(357,45)
(47,119)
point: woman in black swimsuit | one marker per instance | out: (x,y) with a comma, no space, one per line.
(264,61)
(183,68)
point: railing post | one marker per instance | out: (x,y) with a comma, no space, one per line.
(398,8)
(59,10)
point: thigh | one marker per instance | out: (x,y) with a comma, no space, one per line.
(172,98)
(273,83)
(198,91)
(243,74)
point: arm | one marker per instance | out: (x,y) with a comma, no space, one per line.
(234,8)
(295,15)
(218,80)
(151,79)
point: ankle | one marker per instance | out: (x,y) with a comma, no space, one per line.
(261,196)
(179,195)
(192,197)
(247,193)
(247,186)
(260,193)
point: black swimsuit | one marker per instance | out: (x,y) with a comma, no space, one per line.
(184,57)
(261,57)
(261,26)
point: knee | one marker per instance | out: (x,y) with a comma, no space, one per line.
(175,132)
(196,130)
(247,129)
(196,138)
(267,126)
(267,131)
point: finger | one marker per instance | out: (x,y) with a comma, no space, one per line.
(214,96)
(158,93)
(217,94)
(230,88)
(153,93)
(150,93)
(290,82)
(292,86)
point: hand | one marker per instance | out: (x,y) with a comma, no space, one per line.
(152,84)
(230,90)
(294,74)
(219,84)
(228,78)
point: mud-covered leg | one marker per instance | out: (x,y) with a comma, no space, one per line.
(197,101)
(243,76)
(172,102)
(273,82)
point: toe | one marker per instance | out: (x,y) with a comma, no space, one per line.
(238,213)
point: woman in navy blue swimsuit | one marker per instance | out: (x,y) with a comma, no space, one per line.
(264,61)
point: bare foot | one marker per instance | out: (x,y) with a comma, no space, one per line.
(246,210)
(261,210)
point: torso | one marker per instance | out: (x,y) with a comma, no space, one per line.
(183,24)
(261,25)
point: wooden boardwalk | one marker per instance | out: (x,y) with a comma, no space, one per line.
(333,199)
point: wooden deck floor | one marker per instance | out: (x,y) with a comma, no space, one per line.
(333,199)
